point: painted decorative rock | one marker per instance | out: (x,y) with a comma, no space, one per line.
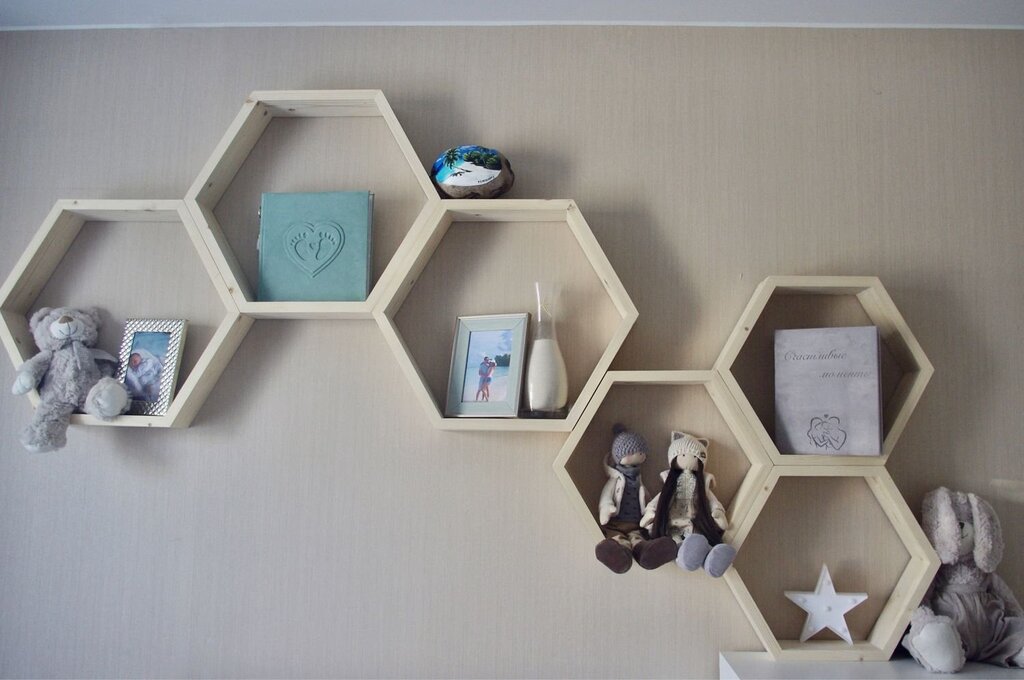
(472,172)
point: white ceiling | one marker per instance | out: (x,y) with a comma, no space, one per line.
(45,14)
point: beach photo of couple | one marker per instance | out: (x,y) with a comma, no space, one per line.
(487,366)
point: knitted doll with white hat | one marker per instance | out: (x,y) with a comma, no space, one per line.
(622,505)
(687,511)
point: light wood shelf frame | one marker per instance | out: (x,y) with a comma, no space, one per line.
(922,565)
(712,383)
(767,465)
(893,330)
(428,238)
(235,146)
(44,254)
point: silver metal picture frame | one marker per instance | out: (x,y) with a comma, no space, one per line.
(486,374)
(148,363)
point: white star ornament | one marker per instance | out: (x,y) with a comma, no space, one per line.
(825,607)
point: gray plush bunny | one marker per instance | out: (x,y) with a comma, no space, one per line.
(969,612)
(70,375)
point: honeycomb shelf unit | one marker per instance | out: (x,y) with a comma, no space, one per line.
(496,225)
(746,361)
(45,253)
(240,140)
(746,365)
(654,403)
(914,569)
(731,404)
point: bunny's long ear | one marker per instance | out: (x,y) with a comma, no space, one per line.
(938,519)
(988,535)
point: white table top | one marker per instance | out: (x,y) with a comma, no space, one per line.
(746,665)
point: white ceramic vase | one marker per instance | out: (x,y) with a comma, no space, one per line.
(547,382)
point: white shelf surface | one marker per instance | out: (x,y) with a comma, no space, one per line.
(748,665)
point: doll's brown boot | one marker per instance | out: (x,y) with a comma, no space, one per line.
(655,552)
(614,555)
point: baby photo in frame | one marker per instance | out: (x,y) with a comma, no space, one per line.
(148,363)
(487,366)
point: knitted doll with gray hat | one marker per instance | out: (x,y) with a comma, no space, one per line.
(621,506)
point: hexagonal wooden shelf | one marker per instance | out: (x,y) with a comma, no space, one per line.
(654,403)
(914,574)
(235,147)
(494,225)
(747,359)
(41,259)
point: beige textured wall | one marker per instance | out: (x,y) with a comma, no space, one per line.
(310,523)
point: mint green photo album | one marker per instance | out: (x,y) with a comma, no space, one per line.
(315,246)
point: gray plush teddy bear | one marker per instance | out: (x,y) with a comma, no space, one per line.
(69,374)
(969,612)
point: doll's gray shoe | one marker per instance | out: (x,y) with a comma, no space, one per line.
(655,552)
(614,555)
(719,559)
(693,552)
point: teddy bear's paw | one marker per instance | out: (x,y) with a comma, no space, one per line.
(41,448)
(23,384)
(37,441)
(107,399)
(936,645)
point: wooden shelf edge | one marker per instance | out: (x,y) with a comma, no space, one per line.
(879,307)
(423,241)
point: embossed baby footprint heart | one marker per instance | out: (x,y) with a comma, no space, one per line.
(312,247)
